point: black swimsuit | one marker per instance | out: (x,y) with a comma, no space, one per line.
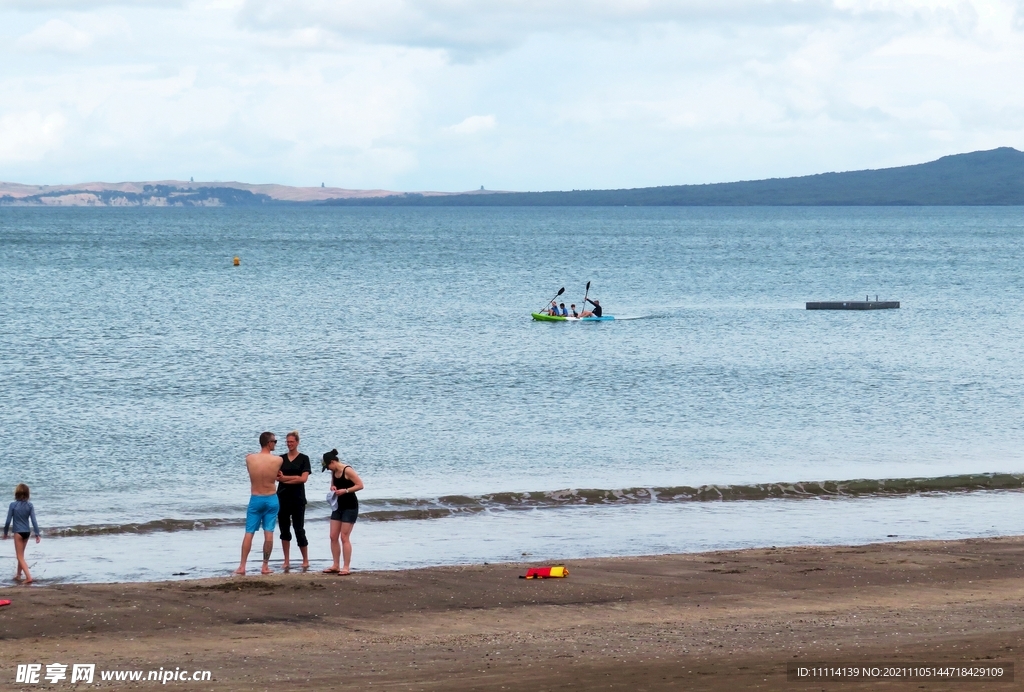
(348,503)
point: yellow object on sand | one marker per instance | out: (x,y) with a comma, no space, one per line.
(546,573)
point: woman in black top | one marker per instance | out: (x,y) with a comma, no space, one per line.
(291,494)
(345,483)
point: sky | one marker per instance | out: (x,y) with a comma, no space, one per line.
(508,94)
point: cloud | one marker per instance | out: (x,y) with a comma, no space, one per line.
(82,5)
(30,136)
(474,124)
(55,36)
(471,27)
(558,94)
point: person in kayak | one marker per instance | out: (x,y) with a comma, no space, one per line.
(596,312)
(562,311)
(553,310)
(573,308)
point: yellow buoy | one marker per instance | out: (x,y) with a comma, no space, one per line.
(237,262)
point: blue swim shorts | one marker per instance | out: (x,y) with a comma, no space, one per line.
(263,509)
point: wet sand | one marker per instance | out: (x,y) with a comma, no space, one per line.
(711,621)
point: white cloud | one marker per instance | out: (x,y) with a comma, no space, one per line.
(55,36)
(29,136)
(474,124)
(468,27)
(609,93)
(82,5)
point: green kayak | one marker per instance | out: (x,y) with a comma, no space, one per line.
(540,317)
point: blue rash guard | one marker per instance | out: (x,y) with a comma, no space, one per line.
(21,512)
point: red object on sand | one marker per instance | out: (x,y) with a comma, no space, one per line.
(546,573)
(5,602)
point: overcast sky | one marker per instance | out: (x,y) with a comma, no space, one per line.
(510,94)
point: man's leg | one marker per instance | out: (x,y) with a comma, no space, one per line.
(268,547)
(246,547)
(271,509)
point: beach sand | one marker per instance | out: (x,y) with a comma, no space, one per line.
(711,621)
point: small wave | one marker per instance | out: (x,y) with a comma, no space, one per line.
(154,526)
(385,510)
(455,505)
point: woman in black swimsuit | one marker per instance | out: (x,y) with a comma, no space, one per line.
(345,483)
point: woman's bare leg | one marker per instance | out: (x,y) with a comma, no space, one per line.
(346,545)
(335,546)
(286,547)
(19,552)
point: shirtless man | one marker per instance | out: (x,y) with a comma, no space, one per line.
(263,504)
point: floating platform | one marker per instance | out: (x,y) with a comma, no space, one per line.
(856,305)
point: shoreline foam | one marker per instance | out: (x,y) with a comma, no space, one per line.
(572,532)
(404,509)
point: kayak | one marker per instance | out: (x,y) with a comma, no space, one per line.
(540,317)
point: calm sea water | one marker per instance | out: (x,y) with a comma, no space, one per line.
(139,366)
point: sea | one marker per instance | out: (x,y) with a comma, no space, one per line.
(139,365)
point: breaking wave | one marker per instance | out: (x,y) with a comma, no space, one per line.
(454,505)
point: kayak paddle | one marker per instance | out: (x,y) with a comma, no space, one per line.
(548,304)
(584,308)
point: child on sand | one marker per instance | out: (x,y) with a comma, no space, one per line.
(20,512)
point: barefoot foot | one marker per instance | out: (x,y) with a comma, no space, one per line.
(266,570)
(240,571)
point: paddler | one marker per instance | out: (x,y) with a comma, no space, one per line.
(596,312)
(562,311)
(553,310)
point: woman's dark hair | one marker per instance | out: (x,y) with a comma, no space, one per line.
(330,456)
(21,492)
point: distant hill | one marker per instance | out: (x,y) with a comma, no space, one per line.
(993,177)
(172,193)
